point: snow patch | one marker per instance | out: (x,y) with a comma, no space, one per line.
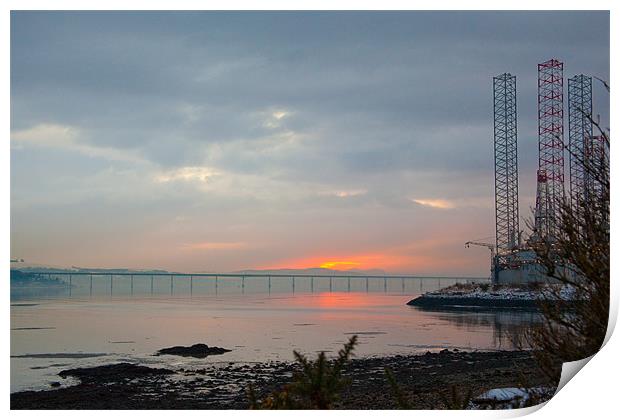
(504,293)
(507,398)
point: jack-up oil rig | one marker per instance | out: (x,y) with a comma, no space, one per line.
(512,259)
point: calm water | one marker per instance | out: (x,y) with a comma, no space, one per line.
(57,329)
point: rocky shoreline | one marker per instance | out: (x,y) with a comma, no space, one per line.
(494,297)
(440,302)
(423,380)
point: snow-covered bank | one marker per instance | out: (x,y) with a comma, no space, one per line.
(501,296)
(510,398)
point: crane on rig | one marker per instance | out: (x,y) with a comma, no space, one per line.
(491,248)
(484,244)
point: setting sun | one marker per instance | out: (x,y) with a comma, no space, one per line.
(339,265)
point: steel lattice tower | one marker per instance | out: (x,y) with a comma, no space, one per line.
(595,156)
(541,214)
(550,145)
(579,133)
(506,168)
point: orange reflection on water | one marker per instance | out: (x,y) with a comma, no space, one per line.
(335,300)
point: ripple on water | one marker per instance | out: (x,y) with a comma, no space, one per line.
(58,355)
(32,328)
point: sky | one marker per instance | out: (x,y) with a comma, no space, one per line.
(223,141)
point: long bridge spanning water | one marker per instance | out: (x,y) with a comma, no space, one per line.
(89,283)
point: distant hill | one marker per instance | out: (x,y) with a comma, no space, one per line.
(25,268)
(120,270)
(314,272)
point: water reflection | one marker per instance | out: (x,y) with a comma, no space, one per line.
(130,321)
(507,325)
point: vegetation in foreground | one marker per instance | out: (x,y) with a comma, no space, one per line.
(316,386)
(577,257)
(321,384)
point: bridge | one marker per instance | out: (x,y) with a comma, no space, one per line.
(242,278)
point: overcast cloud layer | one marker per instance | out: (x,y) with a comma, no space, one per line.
(225,141)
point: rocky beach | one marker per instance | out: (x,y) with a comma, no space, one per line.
(425,380)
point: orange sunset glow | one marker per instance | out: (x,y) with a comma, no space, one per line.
(339,265)
(382,261)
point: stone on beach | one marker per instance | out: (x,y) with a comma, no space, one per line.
(197,350)
(111,373)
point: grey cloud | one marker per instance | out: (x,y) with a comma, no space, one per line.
(397,104)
